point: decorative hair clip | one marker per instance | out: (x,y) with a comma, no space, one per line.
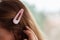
(17,18)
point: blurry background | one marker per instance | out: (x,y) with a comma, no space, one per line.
(47,15)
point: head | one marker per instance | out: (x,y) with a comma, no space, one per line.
(8,10)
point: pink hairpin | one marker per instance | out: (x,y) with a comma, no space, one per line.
(17,18)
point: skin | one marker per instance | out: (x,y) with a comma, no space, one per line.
(5,35)
(30,34)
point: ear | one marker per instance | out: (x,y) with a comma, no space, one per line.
(18,17)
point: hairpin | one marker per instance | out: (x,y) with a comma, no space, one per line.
(17,18)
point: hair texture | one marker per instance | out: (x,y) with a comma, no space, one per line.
(8,10)
(10,0)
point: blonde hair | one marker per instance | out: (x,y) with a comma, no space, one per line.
(8,10)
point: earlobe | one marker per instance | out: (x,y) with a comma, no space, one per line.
(18,16)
